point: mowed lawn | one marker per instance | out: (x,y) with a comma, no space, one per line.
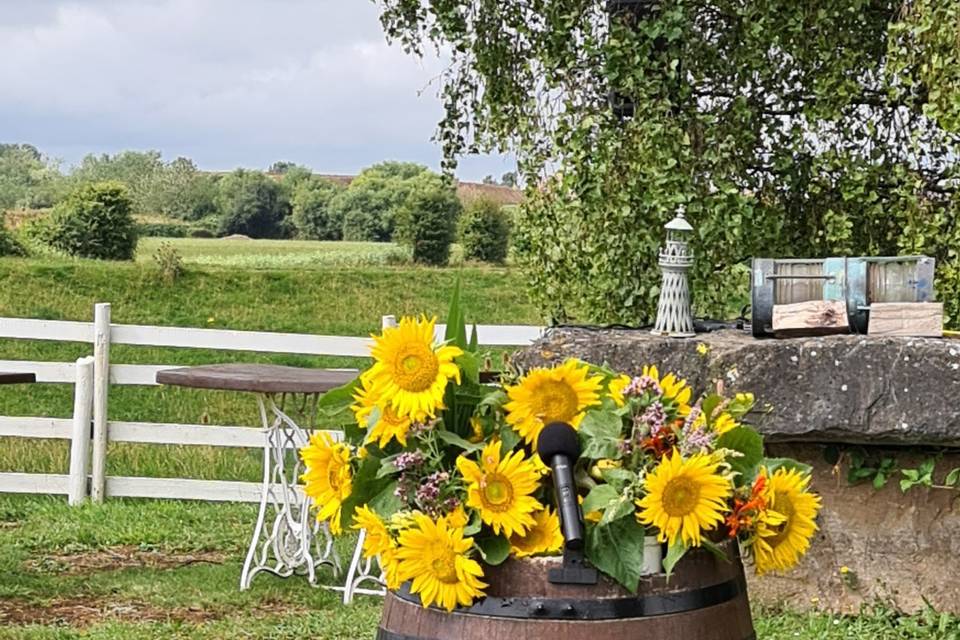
(132,569)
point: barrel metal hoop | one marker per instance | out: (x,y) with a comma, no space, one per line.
(598,609)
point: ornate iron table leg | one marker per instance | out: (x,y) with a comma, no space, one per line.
(361,571)
(291,543)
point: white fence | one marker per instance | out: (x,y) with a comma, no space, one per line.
(94,375)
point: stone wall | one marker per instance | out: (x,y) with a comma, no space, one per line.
(849,390)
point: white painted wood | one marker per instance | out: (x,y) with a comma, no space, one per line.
(45,371)
(388,322)
(80,436)
(183,489)
(101,390)
(192,434)
(31,427)
(505,335)
(43,483)
(258,341)
(59,330)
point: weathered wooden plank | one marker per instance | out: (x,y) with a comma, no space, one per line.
(260,378)
(911,319)
(810,318)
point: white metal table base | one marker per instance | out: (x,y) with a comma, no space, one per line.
(289,540)
(361,571)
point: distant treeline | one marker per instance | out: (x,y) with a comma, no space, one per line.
(285,201)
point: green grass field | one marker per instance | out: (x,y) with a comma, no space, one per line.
(132,569)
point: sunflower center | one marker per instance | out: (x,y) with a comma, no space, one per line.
(784,507)
(444,566)
(416,367)
(555,400)
(680,497)
(390,417)
(497,492)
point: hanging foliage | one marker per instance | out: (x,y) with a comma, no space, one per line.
(787,128)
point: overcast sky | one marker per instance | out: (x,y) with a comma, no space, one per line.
(226,82)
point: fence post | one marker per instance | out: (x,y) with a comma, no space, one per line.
(80,437)
(101,387)
(388,322)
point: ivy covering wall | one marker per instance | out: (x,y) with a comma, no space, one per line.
(808,129)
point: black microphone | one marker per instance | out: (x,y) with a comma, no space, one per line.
(559,448)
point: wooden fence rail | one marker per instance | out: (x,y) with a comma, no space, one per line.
(90,429)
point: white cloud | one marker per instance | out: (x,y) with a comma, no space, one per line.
(225,82)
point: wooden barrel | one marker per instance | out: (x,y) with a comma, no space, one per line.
(705,599)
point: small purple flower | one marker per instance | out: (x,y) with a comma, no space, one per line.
(641,384)
(408,460)
(654,418)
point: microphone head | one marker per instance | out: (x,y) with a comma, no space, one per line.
(558,438)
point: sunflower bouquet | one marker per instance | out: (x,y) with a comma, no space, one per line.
(438,467)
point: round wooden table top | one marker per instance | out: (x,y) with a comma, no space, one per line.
(16,378)
(257,378)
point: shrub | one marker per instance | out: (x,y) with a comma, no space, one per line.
(252,204)
(162,230)
(370,205)
(9,246)
(313,214)
(427,222)
(169,262)
(93,222)
(485,231)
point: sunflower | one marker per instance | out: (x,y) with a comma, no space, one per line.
(672,388)
(784,537)
(724,423)
(435,556)
(551,395)
(543,537)
(684,498)
(328,480)
(378,539)
(410,370)
(616,387)
(389,425)
(500,489)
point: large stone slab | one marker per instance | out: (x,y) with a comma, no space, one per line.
(850,389)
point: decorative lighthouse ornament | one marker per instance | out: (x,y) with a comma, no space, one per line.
(674,317)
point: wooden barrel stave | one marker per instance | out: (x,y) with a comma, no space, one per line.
(522,605)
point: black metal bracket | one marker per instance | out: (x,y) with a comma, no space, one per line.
(575,569)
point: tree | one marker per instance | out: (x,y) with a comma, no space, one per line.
(489,179)
(138,170)
(786,128)
(181,191)
(484,231)
(95,221)
(27,179)
(313,214)
(509,179)
(252,204)
(373,199)
(427,221)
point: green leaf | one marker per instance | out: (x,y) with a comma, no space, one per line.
(600,434)
(599,497)
(473,527)
(474,340)
(675,552)
(494,549)
(617,550)
(620,508)
(618,478)
(387,467)
(952,478)
(451,438)
(509,439)
(772,464)
(366,487)
(336,398)
(386,503)
(469,366)
(749,443)
(715,549)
